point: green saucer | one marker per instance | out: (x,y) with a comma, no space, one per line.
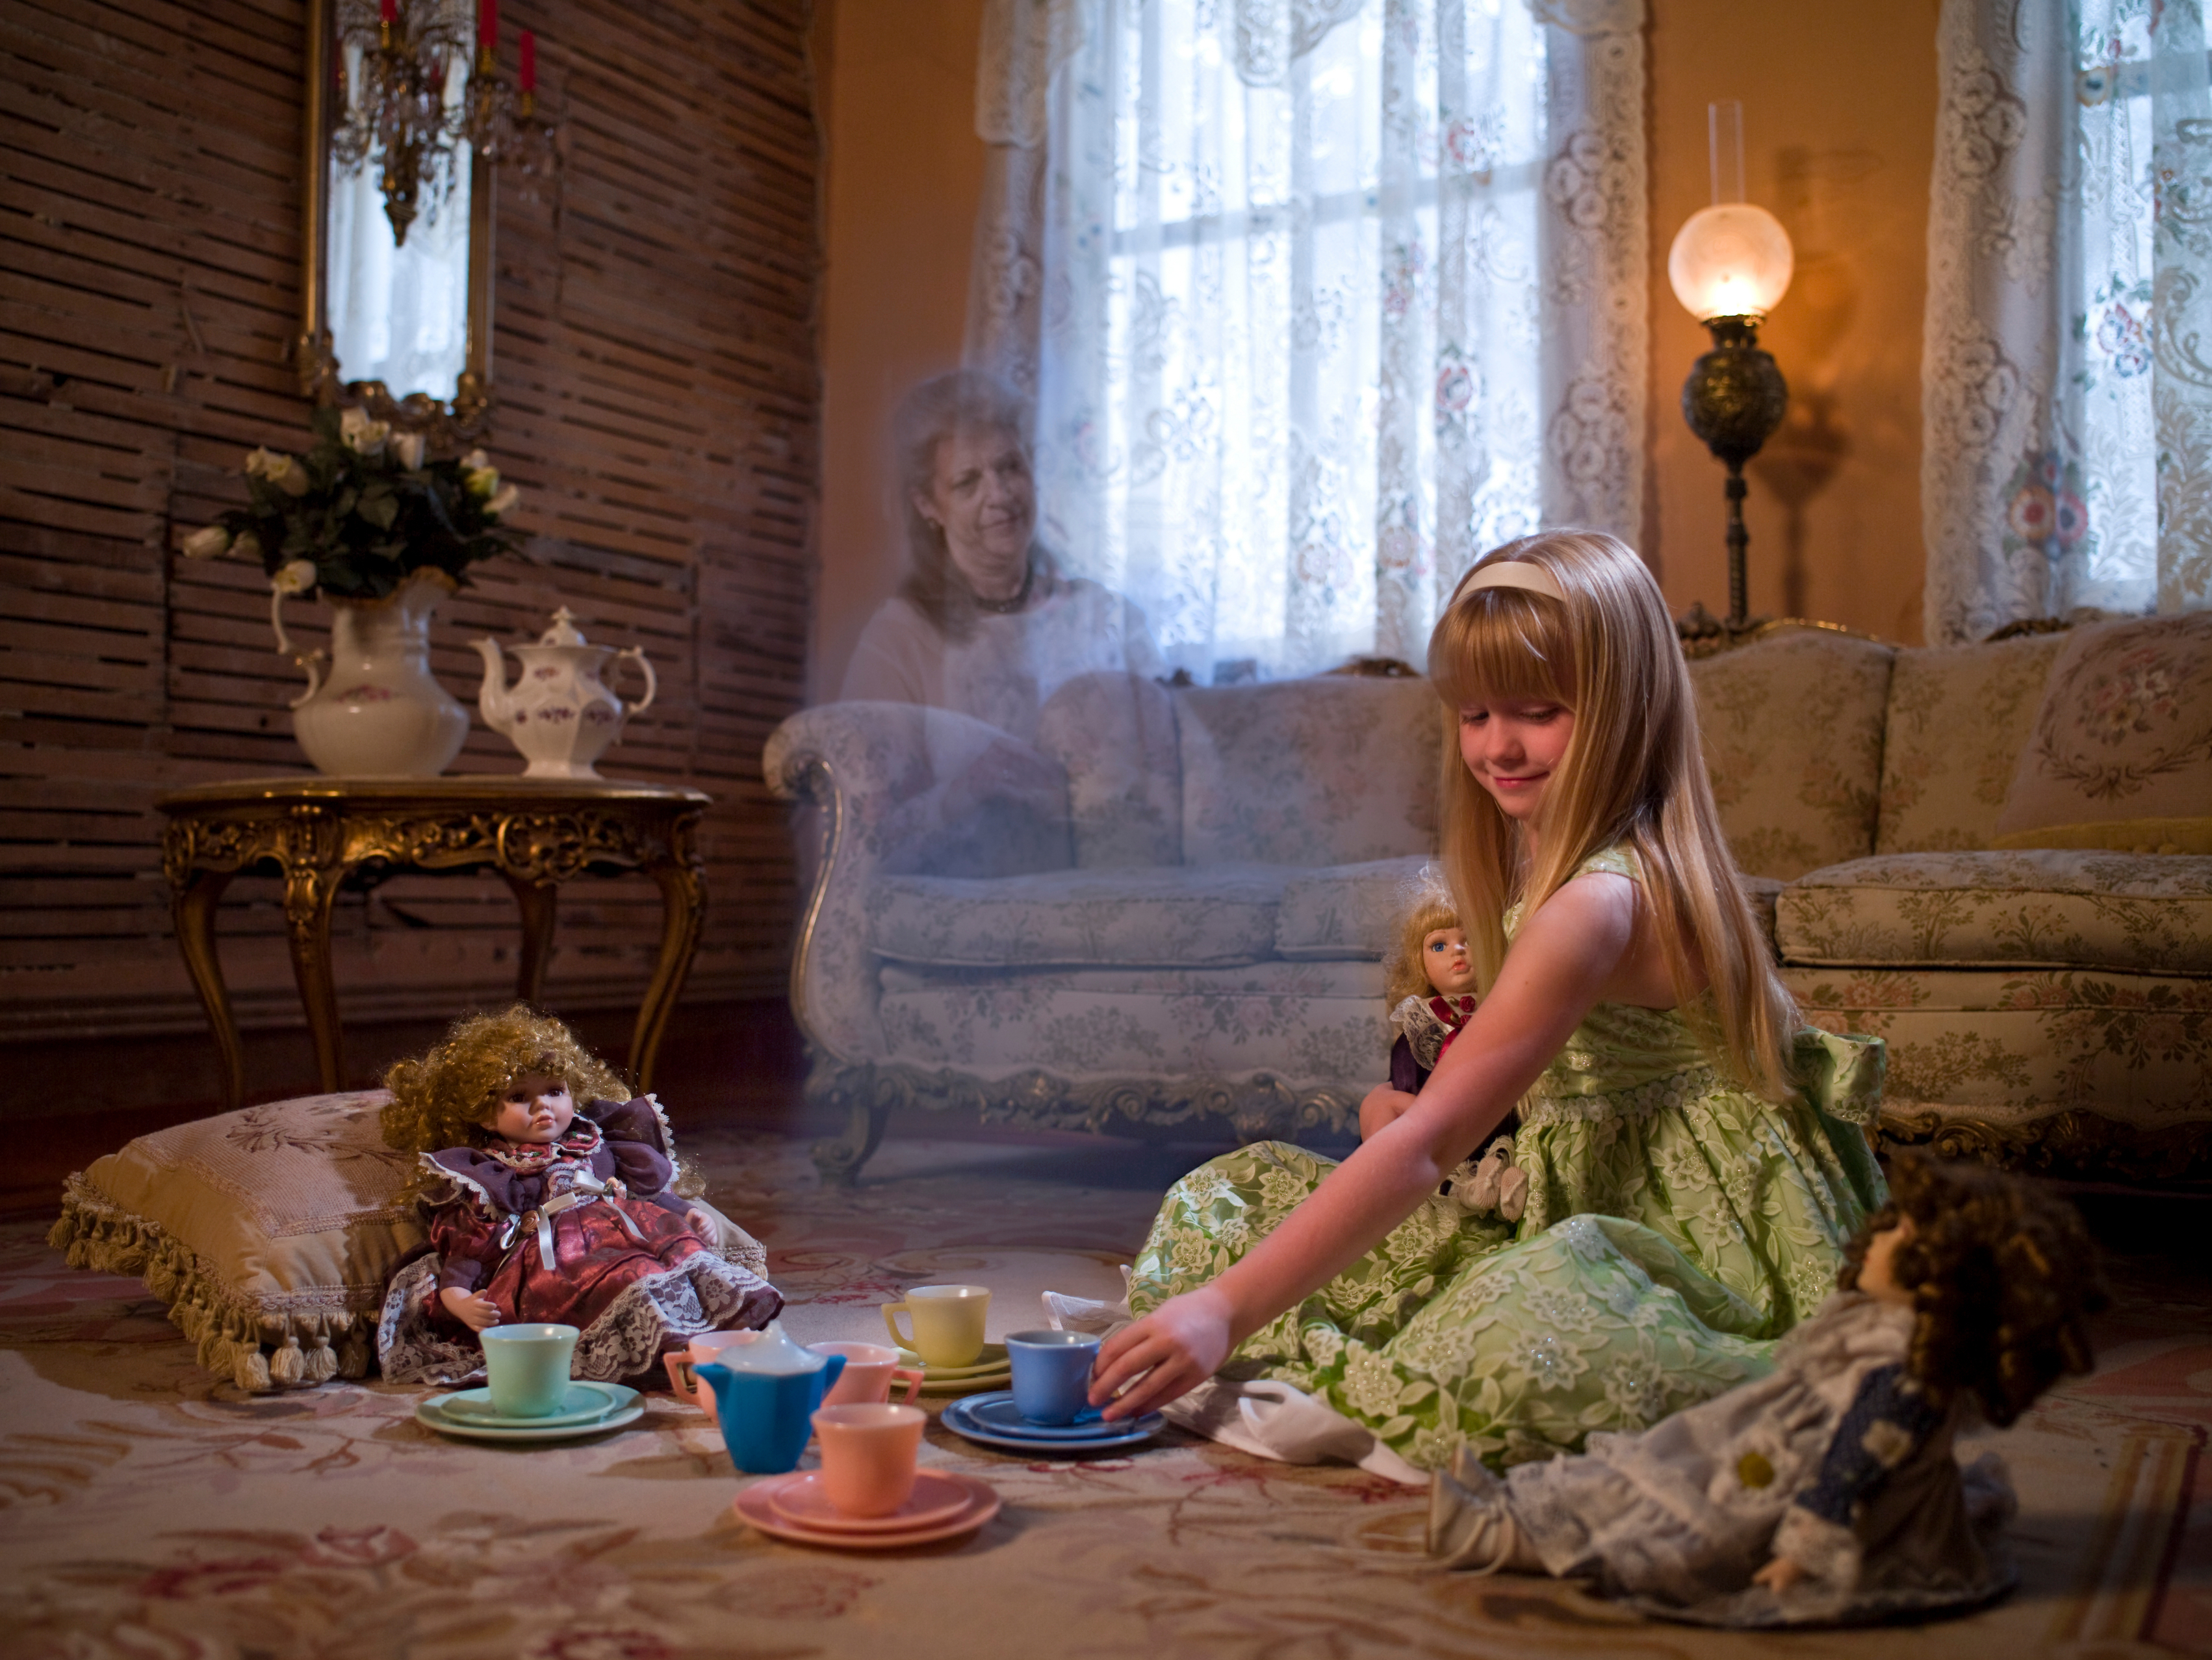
(584,1402)
(992,1358)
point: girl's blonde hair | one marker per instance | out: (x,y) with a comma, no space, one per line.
(1632,775)
(443,1099)
(1429,907)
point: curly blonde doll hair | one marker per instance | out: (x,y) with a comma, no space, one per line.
(1428,906)
(445,1098)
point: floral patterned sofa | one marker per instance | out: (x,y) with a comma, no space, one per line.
(1172,907)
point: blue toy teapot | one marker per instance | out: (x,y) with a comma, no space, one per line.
(765,1394)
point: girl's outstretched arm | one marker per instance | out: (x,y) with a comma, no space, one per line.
(1576,949)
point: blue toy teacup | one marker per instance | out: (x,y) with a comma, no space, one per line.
(1052,1374)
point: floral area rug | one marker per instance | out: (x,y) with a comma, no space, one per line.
(146,1510)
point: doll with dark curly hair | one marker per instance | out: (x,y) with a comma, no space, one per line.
(1828,1490)
(551,1195)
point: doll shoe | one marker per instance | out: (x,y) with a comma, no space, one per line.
(1470,1526)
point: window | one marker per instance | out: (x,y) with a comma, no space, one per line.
(1330,300)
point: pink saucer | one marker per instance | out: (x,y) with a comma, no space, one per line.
(756,1507)
(802,1499)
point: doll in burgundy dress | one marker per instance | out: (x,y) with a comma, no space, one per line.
(541,1209)
(1430,984)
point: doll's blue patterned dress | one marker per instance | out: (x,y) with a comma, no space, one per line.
(1705,1222)
(1838,1460)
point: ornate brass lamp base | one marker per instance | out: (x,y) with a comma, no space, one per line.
(1735,398)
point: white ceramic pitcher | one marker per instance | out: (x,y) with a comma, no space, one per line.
(372,708)
(560,714)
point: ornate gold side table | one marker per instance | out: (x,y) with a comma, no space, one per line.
(317,830)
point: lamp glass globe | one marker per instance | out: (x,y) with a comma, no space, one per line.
(1731,260)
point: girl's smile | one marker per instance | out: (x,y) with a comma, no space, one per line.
(1512,746)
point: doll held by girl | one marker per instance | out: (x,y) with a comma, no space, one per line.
(1429,982)
(1828,1490)
(550,1195)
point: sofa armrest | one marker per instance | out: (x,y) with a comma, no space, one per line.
(902,789)
(1764,892)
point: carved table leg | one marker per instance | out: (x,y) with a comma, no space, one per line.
(192,902)
(683,911)
(309,889)
(537,902)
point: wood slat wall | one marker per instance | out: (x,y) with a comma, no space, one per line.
(656,393)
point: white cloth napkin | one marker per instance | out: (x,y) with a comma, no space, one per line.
(1264,1417)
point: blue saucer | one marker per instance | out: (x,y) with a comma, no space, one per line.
(994,1421)
(998,1412)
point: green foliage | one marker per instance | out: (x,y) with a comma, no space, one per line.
(366,520)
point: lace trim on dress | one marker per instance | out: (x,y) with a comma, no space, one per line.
(580,1141)
(1427,1024)
(650,1316)
(1674,1090)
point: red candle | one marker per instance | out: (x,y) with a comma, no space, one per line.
(387,12)
(526,78)
(487,25)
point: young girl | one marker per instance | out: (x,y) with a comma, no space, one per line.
(1828,1491)
(1713,1154)
(539,1209)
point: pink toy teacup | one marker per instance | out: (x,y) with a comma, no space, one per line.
(868,1455)
(869,1370)
(707,1347)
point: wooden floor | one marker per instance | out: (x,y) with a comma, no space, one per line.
(739,1065)
(724,1066)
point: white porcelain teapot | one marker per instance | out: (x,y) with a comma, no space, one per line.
(560,714)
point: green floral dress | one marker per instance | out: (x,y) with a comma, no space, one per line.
(1676,1226)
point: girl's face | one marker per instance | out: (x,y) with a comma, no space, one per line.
(533,1108)
(1512,746)
(1443,959)
(981,497)
(1878,1269)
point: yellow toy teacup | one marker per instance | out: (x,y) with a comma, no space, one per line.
(948,1323)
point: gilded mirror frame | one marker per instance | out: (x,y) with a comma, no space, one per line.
(467,415)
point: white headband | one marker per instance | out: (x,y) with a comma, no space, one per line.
(1516,574)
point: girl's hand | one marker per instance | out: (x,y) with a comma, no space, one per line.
(703,1225)
(1779,1575)
(1383,1105)
(472,1309)
(1175,1347)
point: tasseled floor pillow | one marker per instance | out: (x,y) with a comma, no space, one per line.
(271,1234)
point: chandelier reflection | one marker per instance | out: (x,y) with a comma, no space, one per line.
(418,85)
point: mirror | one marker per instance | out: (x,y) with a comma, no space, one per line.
(396,238)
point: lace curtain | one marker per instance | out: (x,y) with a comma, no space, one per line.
(1319,298)
(2067,383)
